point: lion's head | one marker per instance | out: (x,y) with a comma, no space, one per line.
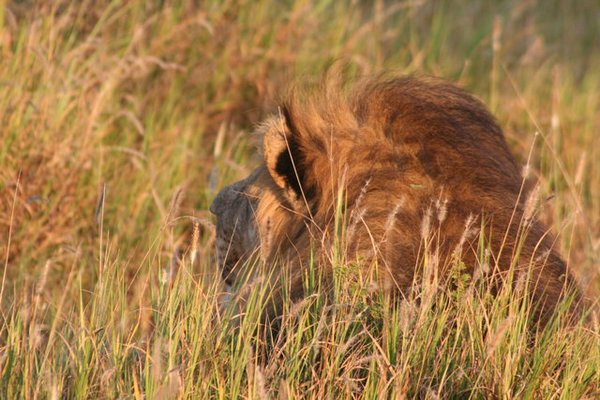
(406,156)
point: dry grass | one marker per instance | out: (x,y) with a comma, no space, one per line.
(116,117)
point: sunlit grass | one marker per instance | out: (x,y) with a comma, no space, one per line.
(119,121)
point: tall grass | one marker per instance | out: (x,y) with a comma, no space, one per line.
(119,121)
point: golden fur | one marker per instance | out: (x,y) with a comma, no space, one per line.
(413,158)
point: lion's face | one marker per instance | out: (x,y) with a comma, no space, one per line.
(258,214)
(254,217)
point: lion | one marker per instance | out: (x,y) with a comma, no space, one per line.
(412,158)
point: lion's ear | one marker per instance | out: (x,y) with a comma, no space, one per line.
(284,156)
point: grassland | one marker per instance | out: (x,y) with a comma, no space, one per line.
(119,121)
